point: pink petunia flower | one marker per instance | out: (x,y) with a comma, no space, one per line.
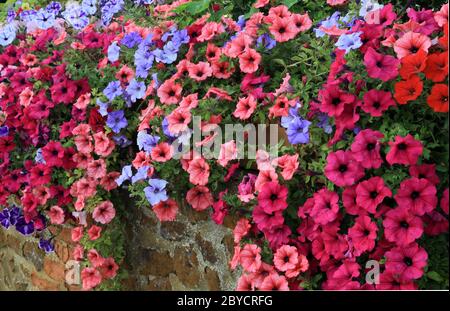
(366,148)
(272,197)
(90,277)
(56,215)
(249,60)
(104,212)
(285,258)
(250,257)
(404,150)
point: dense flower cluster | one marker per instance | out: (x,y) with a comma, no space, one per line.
(92,102)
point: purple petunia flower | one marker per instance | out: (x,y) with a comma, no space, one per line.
(113,90)
(266,42)
(46,245)
(131,39)
(113,52)
(146,141)
(4,218)
(136,90)
(4,131)
(23,227)
(156,192)
(298,131)
(89,6)
(125,175)
(349,42)
(116,120)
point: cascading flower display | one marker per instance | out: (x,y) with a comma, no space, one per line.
(97,104)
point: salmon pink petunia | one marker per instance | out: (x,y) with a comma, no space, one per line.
(166,210)
(249,60)
(411,43)
(245,107)
(104,212)
(199,198)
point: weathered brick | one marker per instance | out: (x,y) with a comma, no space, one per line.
(62,233)
(43,283)
(186,266)
(11,239)
(54,269)
(206,248)
(212,279)
(62,250)
(34,254)
(173,230)
(159,263)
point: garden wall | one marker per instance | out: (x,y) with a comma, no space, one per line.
(191,253)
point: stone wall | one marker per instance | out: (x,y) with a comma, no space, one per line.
(23,266)
(191,253)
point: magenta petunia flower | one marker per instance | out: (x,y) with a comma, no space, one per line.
(363,235)
(366,148)
(401,226)
(380,66)
(325,208)
(418,195)
(272,197)
(407,262)
(404,150)
(342,169)
(370,193)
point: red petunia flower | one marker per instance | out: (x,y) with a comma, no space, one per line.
(333,100)
(437,67)
(401,226)
(438,99)
(408,90)
(166,210)
(63,92)
(404,150)
(413,64)
(418,195)
(40,174)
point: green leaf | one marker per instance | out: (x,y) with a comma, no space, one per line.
(279,61)
(289,3)
(194,7)
(434,276)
